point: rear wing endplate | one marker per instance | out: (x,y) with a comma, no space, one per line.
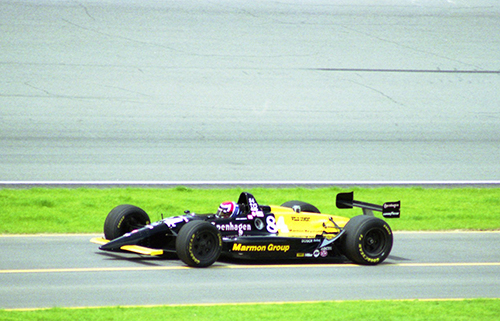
(389,209)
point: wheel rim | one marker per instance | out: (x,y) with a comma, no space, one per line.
(374,242)
(204,244)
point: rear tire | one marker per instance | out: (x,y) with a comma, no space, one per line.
(367,240)
(304,207)
(198,244)
(124,219)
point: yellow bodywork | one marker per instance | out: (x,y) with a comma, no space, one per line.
(306,224)
(99,240)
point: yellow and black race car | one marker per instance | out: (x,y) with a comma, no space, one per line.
(245,229)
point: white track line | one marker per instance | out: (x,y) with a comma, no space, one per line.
(216,304)
(237,183)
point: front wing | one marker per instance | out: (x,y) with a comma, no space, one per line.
(130,248)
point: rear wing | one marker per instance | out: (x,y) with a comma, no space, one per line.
(389,209)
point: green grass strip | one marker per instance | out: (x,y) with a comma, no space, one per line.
(470,309)
(83,210)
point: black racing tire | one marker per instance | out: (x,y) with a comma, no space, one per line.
(304,207)
(124,219)
(367,240)
(198,244)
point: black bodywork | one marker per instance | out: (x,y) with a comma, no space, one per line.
(252,234)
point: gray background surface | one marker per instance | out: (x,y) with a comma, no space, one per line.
(249,90)
(76,273)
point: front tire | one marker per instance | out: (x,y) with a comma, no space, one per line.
(367,240)
(199,244)
(124,219)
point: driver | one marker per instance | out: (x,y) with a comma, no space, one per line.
(228,209)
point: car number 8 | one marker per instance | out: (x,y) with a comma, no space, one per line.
(271,224)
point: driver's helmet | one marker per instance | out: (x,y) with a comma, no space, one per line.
(228,209)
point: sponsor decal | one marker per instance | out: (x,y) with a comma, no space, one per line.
(300,218)
(391,214)
(393,205)
(190,249)
(254,209)
(391,209)
(237,247)
(230,227)
(121,221)
(173,221)
(387,229)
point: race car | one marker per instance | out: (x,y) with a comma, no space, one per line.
(245,229)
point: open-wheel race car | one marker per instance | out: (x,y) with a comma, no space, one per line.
(245,229)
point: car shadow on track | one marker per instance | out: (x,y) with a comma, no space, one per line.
(172,257)
(236,261)
(147,260)
(397,258)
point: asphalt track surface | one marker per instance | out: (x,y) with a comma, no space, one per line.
(359,90)
(68,271)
